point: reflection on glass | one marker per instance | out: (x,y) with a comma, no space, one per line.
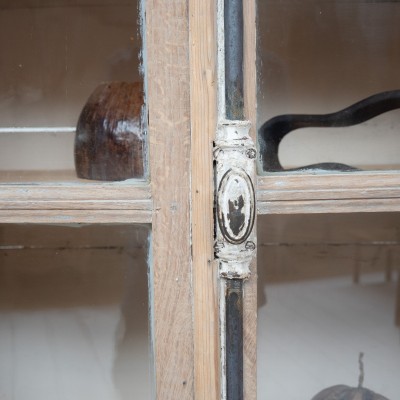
(74,312)
(319,57)
(54,55)
(328,291)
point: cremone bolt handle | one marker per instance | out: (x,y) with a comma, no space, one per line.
(274,130)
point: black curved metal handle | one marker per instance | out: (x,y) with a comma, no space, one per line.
(274,130)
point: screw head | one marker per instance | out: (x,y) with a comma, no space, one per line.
(250,245)
(251,153)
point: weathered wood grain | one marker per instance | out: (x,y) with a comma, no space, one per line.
(203,100)
(327,206)
(354,192)
(75,202)
(250,286)
(78,216)
(103,193)
(168,97)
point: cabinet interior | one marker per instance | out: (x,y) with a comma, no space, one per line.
(329,288)
(319,57)
(54,54)
(74,317)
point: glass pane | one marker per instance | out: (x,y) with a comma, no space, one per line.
(55,54)
(74,318)
(317,58)
(328,289)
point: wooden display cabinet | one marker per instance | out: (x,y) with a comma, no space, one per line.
(180,58)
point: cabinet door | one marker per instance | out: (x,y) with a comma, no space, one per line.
(74,240)
(328,199)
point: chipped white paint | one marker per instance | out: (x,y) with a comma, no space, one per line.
(235,207)
(235,242)
(235,170)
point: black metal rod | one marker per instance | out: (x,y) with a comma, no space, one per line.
(234,339)
(233,26)
(234,109)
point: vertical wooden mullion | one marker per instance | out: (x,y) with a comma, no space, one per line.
(181,98)
(250,286)
(203,122)
(168,100)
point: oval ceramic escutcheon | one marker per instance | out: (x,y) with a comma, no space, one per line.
(236,205)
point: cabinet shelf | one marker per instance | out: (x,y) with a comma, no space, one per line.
(377,191)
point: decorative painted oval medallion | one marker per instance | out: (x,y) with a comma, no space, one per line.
(235,205)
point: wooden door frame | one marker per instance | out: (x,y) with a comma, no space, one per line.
(181,57)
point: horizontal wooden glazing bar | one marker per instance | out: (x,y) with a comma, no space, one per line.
(324,193)
(92,202)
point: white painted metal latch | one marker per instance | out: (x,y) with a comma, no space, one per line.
(235,242)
